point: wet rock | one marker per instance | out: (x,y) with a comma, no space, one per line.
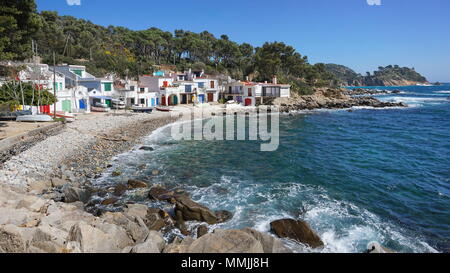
(154,221)
(117,173)
(202,230)
(155,172)
(297,230)
(136,184)
(223,216)
(109,201)
(146,148)
(73,194)
(120,189)
(192,211)
(162,194)
(180,223)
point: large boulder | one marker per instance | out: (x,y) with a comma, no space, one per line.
(226,241)
(153,244)
(134,225)
(179,246)
(192,211)
(137,184)
(74,194)
(93,240)
(14,239)
(270,244)
(297,230)
(223,215)
(201,231)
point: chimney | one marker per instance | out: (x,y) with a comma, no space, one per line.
(275,80)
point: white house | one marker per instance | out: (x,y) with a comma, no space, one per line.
(100,89)
(208,89)
(249,93)
(70,99)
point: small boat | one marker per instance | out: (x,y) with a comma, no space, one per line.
(163,109)
(138,109)
(34,118)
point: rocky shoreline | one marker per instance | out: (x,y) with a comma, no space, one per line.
(46,202)
(332,99)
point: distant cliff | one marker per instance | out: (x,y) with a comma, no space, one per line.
(391,75)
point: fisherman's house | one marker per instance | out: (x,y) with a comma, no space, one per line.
(249,93)
(69,99)
(181,88)
(100,90)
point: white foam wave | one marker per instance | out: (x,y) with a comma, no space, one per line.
(443,92)
(343,226)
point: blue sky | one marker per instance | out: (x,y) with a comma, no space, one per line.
(413,33)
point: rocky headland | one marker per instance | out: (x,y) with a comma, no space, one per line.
(327,98)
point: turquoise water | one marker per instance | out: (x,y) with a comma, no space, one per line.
(368,175)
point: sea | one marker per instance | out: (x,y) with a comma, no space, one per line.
(355,176)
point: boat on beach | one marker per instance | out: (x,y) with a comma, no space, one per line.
(138,109)
(34,118)
(163,109)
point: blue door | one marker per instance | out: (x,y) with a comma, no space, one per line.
(153,102)
(157,101)
(82,104)
(201,98)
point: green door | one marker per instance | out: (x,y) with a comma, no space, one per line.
(67,106)
(108,102)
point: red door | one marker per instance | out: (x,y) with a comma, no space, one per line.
(248,102)
(163,100)
(210,97)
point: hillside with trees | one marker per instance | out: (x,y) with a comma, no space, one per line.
(126,52)
(391,75)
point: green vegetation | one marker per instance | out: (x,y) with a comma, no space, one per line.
(18,93)
(130,53)
(389,75)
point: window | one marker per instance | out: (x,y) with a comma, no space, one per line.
(188,88)
(201,84)
(142,89)
(249,92)
(78,72)
(212,84)
(132,88)
(165,83)
(271,91)
(107,86)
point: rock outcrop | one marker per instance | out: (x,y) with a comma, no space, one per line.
(297,230)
